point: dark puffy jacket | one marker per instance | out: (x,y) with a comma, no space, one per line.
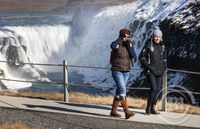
(121,55)
(153,58)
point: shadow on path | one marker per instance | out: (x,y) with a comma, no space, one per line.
(86,105)
(63,109)
(96,107)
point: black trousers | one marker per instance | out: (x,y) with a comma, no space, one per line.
(155,89)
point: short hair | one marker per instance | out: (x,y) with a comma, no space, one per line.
(122,32)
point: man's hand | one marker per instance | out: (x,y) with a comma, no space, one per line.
(126,38)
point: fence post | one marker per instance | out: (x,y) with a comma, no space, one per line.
(65,83)
(164,92)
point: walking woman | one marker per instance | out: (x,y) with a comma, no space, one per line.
(153,59)
(121,59)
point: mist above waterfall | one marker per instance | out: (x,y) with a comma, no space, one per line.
(102,27)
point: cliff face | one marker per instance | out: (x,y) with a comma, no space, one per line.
(181,33)
(182,36)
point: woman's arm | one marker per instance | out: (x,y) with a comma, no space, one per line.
(131,51)
(115,44)
(143,56)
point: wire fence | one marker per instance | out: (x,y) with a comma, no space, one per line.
(87,67)
(65,75)
(183,71)
(39,82)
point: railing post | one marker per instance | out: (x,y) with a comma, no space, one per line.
(164,92)
(65,83)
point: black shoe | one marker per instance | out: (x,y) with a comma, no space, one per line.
(153,111)
(147,112)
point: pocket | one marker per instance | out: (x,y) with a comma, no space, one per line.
(155,71)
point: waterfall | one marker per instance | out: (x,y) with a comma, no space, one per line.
(31,44)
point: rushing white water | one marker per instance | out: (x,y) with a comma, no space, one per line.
(43,42)
(87,41)
(27,44)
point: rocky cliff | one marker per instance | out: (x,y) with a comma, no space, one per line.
(182,36)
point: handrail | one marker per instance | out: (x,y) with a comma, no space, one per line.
(196,93)
(88,85)
(72,84)
(183,71)
(42,82)
(32,63)
(97,67)
(68,65)
(81,66)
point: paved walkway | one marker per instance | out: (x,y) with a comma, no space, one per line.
(100,111)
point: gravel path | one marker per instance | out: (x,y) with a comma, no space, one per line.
(48,120)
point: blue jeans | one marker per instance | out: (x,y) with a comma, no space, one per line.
(121,79)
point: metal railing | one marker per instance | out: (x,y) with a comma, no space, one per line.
(65,76)
(66,82)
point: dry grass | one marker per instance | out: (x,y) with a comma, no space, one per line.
(50,96)
(16,126)
(13,126)
(104,100)
(182,108)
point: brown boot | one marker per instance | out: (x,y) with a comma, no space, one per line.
(115,105)
(128,113)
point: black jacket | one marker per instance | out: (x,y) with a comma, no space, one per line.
(153,58)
